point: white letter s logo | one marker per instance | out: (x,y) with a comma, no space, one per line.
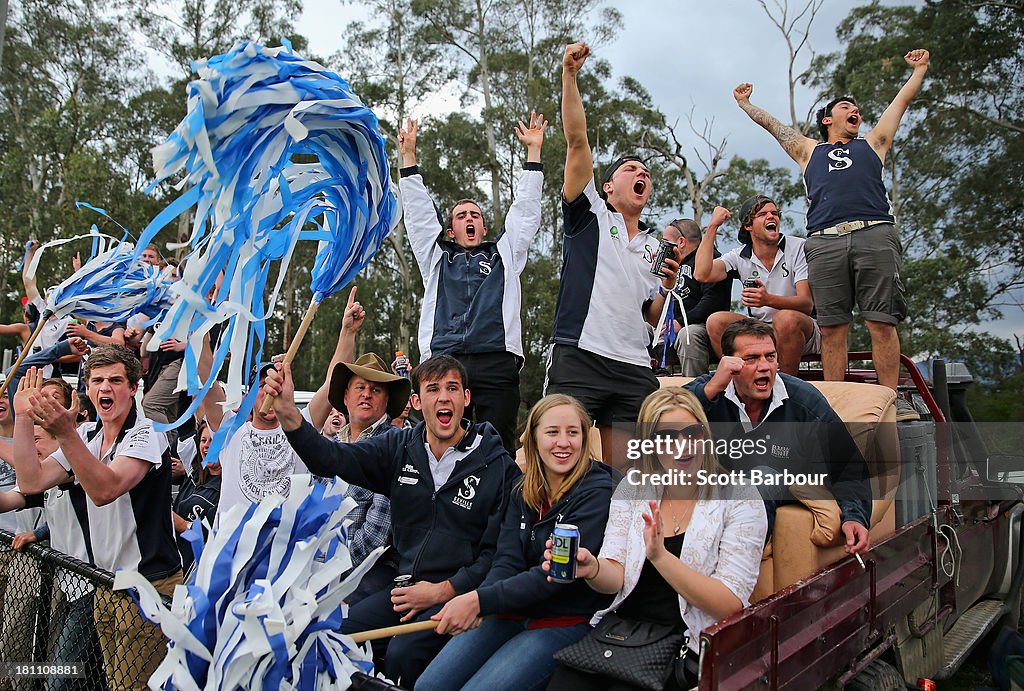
(842,159)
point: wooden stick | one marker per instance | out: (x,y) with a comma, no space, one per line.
(388,631)
(293,349)
(25,351)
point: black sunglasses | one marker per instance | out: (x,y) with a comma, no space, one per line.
(689,432)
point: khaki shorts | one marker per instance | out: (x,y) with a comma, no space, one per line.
(862,267)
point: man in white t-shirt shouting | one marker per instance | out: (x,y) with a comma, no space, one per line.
(599,340)
(122,464)
(773,273)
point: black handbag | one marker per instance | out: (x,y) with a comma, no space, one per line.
(638,653)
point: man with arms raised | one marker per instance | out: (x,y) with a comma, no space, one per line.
(599,341)
(853,250)
(448,482)
(747,398)
(472,296)
(122,465)
(773,273)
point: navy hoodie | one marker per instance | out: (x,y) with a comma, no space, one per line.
(450,534)
(516,584)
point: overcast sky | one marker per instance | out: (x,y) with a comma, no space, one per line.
(689,54)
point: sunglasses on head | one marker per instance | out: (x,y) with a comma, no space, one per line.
(684,433)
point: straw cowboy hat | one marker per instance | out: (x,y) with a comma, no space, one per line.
(371,368)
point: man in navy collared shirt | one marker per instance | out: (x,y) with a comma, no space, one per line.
(448,482)
(746,398)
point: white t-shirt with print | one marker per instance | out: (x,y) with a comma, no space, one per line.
(255,463)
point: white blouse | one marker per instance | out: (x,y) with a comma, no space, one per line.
(724,540)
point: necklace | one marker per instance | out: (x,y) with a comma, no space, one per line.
(678,520)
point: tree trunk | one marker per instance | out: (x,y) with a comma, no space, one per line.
(492,145)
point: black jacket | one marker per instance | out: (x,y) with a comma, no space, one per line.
(450,534)
(516,584)
(803,435)
(701,300)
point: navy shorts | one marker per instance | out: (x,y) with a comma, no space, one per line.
(611,391)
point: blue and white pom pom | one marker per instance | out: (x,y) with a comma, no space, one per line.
(111,287)
(274,149)
(265,609)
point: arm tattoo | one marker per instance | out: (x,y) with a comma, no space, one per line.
(789,138)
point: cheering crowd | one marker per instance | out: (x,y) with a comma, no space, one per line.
(466,520)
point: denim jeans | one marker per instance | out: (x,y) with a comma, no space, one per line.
(499,654)
(77,643)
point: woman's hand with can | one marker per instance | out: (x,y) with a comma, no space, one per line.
(587,566)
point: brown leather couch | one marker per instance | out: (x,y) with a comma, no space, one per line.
(808,537)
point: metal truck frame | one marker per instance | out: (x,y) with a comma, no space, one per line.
(929,593)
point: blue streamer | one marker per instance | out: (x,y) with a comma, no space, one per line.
(274,149)
(263,612)
(112,286)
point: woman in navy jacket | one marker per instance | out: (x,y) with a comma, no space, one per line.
(509,628)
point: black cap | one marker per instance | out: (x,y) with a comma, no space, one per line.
(746,217)
(826,111)
(610,171)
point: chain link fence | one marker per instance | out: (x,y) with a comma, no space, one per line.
(52,610)
(62,628)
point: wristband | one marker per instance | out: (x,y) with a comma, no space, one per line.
(588,580)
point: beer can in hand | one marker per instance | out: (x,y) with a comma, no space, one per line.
(665,250)
(565,542)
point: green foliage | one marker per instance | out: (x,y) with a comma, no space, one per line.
(187,30)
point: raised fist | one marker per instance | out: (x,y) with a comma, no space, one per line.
(742,92)
(719,216)
(917,58)
(728,367)
(575,55)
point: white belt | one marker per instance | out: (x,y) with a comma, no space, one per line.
(846,228)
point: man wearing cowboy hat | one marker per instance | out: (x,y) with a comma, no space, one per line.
(370,395)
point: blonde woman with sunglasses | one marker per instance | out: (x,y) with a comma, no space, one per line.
(684,554)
